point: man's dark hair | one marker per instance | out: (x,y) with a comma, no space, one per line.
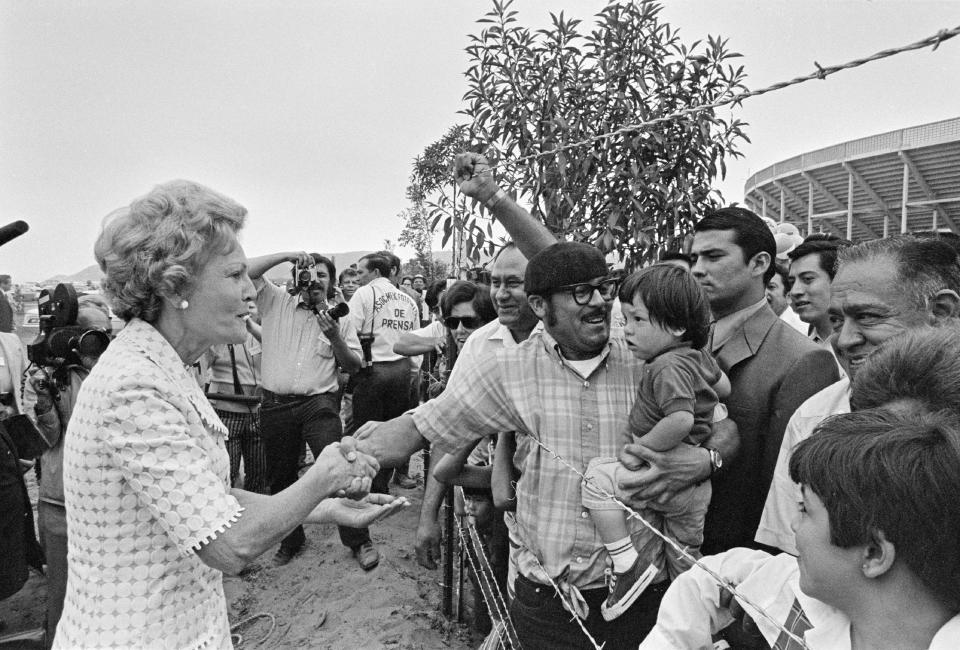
(952,239)
(375,261)
(432,297)
(825,246)
(784,273)
(750,233)
(393,260)
(924,266)
(673,299)
(918,369)
(466,291)
(676,255)
(4,278)
(893,472)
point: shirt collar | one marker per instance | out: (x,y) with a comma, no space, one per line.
(145,337)
(724,328)
(503,333)
(553,349)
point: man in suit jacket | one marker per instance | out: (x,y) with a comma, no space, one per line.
(772,368)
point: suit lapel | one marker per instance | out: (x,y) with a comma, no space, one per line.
(746,341)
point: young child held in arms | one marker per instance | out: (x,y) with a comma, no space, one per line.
(667,326)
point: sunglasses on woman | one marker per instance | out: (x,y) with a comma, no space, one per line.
(469,322)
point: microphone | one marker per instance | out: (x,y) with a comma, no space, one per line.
(12,231)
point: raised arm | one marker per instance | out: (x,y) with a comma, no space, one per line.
(257,266)
(475,178)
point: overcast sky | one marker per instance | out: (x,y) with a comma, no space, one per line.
(309,113)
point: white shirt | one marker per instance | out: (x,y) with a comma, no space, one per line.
(380,308)
(781,506)
(790,318)
(690,611)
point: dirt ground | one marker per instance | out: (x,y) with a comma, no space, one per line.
(322,598)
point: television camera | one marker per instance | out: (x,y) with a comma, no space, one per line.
(62,342)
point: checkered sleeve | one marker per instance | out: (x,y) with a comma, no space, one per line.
(474,404)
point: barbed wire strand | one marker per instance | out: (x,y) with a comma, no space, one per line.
(501,604)
(465,550)
(497,593)
(492,606)
(567,607)
(633,514)
(822,72)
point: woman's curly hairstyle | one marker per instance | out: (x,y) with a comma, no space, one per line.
(157,246)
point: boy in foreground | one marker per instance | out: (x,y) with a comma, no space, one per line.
(878,538)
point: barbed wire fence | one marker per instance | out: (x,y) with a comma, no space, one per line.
(821,72)
(496,604)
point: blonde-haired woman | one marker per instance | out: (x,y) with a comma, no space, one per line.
(153,521)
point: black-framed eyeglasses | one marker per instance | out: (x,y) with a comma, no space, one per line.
(583,291)
(469,322)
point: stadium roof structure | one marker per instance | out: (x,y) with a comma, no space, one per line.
(901,181)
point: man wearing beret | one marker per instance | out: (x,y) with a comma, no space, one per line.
(571,387)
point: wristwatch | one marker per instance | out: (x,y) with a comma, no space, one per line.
(716,460)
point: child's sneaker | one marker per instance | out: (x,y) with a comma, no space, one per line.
(626,587)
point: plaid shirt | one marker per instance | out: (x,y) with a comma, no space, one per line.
(530,389)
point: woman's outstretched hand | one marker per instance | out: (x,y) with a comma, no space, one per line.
(357,513)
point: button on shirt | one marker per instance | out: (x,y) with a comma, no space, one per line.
(381,308)
(530,389)
(298,358)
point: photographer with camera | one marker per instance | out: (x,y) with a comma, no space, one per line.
(305,338)
(49,396)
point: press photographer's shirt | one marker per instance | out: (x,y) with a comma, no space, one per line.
(297,358)
(387,312)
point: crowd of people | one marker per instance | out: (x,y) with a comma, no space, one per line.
(743,443)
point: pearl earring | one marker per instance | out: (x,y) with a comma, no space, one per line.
(184,304)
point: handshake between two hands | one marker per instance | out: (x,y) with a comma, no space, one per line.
(352,473)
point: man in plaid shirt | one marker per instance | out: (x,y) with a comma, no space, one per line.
(570,387)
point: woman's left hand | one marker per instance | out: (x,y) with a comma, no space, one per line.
(362,513)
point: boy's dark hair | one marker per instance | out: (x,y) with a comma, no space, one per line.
(825,246)
(377,262)
(895,472)
(750,233)
(673,299)
(466,291)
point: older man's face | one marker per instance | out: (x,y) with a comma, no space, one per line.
(872,308)
(582,331)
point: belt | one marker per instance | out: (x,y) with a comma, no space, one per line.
(270,396)
(541,592)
